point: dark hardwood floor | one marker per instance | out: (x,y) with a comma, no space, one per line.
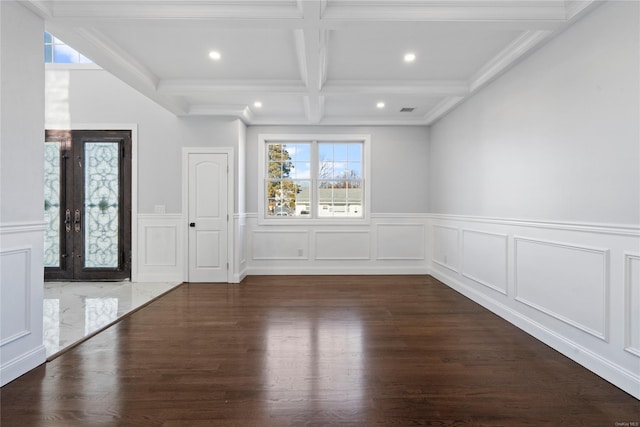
(313,351)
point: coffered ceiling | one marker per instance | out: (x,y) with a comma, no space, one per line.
(308,61)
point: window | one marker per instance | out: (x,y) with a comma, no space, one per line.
(318,177)
(58,52)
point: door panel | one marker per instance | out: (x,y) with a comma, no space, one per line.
(208,196)
(101,204)
(94,215)
(208,217)
(57,215)
(208,248)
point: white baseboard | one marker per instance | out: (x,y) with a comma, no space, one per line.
(24,363)
(302,271)
(617,375)
(239,277)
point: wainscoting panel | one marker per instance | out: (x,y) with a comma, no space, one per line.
(160,248)
(574,286)
(484,259)
(342,245)
(401,241)
(632,310)
(160,245)
(16,305)
(389,244)
(21,290)
(280,245)
(565,281)
(446,249)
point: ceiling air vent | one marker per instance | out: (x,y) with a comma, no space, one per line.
(407,109)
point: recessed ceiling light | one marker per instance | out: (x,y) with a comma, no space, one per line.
(409,57)
(380,104)
(215,55)
(257,104)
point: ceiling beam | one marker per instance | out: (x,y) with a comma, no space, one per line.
(339,121)
(314,108)
(242,112)
(265,14)
(97,46)
(258,87)
(397,87)
(171,9)
(104,52)
(313,52)
(296,11)
(452,10)
(42,8)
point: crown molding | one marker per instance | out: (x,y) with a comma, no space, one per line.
(508,56)
(441,109)
(42,8)
(302,120)
(576,8)
(453,10)
(242,112)
(101,10)
(397,87)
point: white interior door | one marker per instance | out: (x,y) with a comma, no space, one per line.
(208,217)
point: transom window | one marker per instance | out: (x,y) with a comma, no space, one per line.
(313,178)
(58,52)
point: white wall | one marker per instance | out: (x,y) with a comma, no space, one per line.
(392,242)
(554,139)
(95,96)
(21,190)
(535,194)
(399,162)
(77,97)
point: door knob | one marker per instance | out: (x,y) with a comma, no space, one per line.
(192,224)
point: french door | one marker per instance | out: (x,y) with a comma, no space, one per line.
(87,205)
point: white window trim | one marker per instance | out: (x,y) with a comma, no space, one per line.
(263,139)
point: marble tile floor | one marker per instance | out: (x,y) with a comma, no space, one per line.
(74,311)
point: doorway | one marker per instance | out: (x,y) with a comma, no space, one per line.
(209,197)
(87,205)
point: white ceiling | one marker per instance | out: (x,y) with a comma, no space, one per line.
(308,61)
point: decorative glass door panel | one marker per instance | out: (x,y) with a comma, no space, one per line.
(101,204)
(52,202)
(88,205)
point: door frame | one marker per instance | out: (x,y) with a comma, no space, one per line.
(133,127)
(186,151)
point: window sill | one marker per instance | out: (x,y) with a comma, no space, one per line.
(292,222)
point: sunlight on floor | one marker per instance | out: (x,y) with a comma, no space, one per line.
(74,310)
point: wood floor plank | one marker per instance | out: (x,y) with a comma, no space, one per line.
(314,351)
